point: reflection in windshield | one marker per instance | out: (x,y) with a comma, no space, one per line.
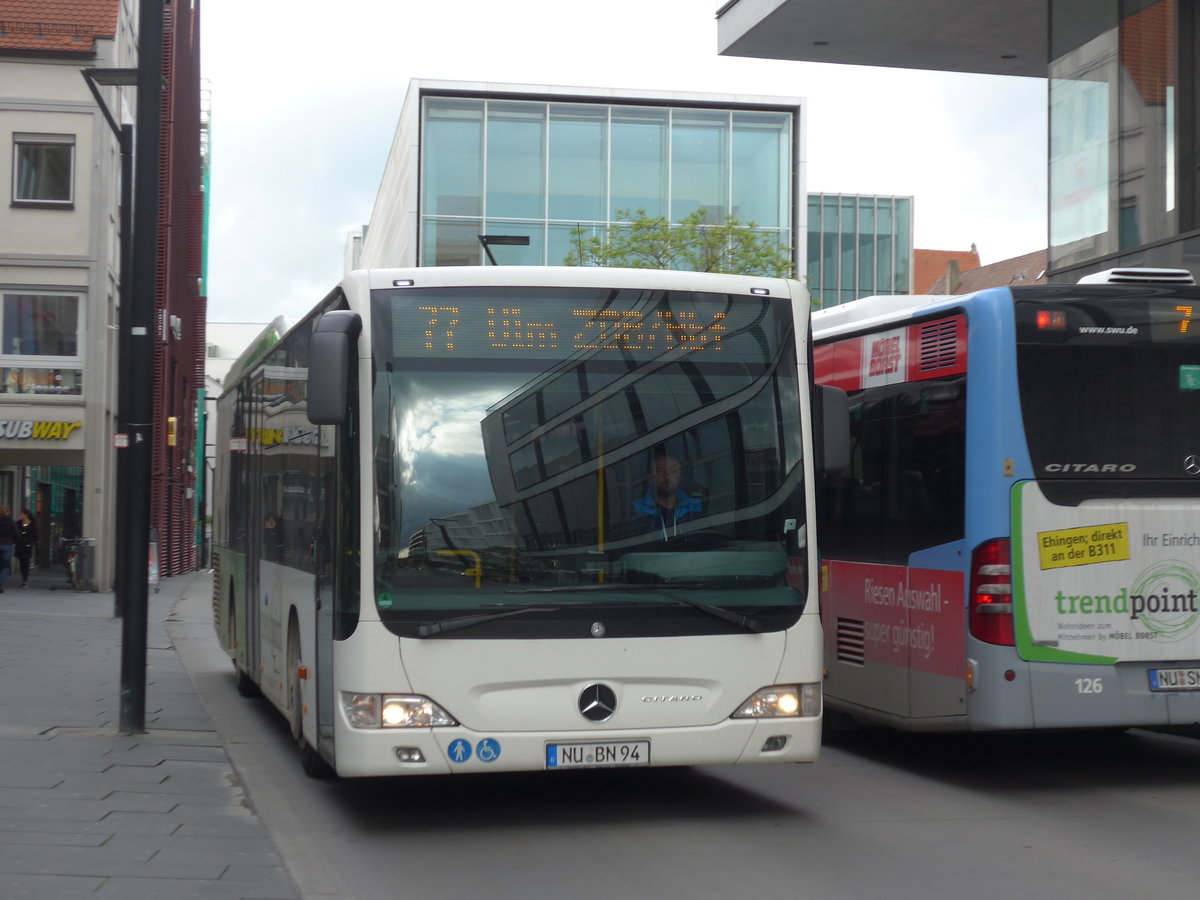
(628,460)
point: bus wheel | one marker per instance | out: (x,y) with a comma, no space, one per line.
(295,695)
(310,760)
(242,680)
(245,684)
(312,763)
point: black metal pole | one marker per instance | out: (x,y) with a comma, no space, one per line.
(140,367)
(124,321)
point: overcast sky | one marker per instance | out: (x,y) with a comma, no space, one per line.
(305,97)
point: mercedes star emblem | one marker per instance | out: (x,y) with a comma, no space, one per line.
(598,702)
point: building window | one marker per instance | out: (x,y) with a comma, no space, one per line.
(542,169)
(39,344)
(41,325)
(1116,133)
(454,174)
(858,246)
(43,170)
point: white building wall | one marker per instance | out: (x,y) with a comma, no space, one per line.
(391,237)
(76,251)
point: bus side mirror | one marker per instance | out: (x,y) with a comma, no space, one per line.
(831,425)
(331,353)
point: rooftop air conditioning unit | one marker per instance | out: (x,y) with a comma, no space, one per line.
(1139,276)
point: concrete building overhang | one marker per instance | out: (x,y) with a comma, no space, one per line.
(1008,38)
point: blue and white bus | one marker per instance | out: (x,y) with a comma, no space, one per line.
(1016,544)
(499,518)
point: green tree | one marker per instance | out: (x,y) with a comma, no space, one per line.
(641,241)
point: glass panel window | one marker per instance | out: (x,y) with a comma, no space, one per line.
(530,254)
(849,238)
(451,243)
(1147,60)
(562,242)
(902,273)
(814,266)
(638,154)
(761,183)
(453,157)
(867,240)
(1083,136)
(43,168)
(40,325)
(829,244)
(885,228)
(516,178)
(578,165)
(699,163)
(813,262)
(38,380)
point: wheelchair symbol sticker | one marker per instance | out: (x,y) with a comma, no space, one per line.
(488,750)
(460,751)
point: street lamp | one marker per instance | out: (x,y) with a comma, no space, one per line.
(124,133)
(511,240)
(139,251)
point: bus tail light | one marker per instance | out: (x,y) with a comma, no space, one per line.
(991,609)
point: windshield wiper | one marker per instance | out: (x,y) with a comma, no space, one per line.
(748,622)
(445,626)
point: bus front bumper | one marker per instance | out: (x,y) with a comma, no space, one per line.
(459,750)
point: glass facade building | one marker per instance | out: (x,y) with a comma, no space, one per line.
(539,166)
(1124,144)
(858,246)
(1124,102)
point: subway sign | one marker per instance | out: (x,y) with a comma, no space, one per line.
(37,429)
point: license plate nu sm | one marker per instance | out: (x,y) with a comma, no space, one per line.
(1175,679)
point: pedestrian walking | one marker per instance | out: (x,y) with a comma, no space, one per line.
(27,537)
(8,543)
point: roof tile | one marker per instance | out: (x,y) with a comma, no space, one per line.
(56,26)
(1027,269)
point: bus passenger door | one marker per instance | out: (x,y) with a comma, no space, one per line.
(250,498)
(324,565)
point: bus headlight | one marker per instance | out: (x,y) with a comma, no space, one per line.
(393,711)
(787,701)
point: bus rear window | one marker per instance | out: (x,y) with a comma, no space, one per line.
(1110,383)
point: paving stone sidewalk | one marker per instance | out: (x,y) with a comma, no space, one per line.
(86,811)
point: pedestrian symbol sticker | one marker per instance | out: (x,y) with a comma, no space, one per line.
(460,751)
(488,750)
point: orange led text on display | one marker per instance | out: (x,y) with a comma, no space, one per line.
(590,329)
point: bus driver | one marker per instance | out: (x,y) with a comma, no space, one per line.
(665,504)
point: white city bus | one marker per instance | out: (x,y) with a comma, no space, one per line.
(469,564)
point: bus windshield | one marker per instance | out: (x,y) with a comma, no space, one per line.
(530,441)
(1110,385)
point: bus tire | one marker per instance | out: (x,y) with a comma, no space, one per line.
(312,763)
(310,760)
(246,687)
(245,684)
(295,694)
